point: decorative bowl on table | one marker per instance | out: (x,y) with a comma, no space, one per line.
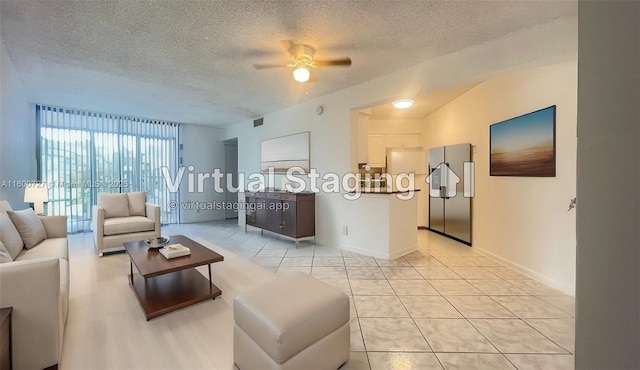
(157,242)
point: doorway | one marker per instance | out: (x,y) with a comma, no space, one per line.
(231,172)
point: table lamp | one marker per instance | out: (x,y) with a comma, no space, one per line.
(37,194)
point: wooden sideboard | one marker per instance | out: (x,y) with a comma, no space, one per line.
(284,213)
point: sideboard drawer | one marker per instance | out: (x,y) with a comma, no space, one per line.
(288,197)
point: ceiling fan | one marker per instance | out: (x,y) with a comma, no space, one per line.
(302,60)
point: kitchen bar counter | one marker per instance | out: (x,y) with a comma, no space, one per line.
(383,192)
(383,225)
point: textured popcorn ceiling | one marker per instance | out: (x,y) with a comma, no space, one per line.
(191,61)
(423,106)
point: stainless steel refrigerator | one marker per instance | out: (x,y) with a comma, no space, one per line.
(449,209)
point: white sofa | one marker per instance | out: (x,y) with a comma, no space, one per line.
(34,279)
(123,217)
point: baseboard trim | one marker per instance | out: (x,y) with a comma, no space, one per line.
(450,237)
(564,288)
(381,255)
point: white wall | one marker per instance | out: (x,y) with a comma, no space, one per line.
(395,126)
(202,148)
(608,210)
(522,220)
(331,148)
(17,133)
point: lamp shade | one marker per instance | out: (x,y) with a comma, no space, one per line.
(37,194)
(301,74)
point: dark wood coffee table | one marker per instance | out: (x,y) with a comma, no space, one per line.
(166,285)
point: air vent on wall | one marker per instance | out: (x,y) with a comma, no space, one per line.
(258,122)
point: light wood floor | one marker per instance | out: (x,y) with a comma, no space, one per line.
(444,306)
(106,328)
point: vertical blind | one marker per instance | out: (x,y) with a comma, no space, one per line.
(84,153)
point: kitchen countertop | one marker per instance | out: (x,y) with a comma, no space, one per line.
(383,192)
(277,191)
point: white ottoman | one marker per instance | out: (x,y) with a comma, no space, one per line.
(292,322)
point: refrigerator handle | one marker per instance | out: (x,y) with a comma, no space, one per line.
(443,192)
(444,179)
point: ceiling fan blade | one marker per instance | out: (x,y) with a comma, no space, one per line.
(286,44)
(265,66)
(335,62)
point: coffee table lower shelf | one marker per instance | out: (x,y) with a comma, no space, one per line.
(169,292)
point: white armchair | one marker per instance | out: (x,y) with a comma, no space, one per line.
(123,217)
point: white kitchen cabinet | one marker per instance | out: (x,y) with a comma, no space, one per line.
(393,140)
(363,138)
(412,140)
(404,140)
(377,151)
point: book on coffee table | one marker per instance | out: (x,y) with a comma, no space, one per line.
(175,250)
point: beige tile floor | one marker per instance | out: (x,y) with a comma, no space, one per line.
(444,306)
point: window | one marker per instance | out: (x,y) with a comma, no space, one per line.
(84,153)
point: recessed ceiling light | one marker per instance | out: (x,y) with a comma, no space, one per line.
(301,74)
(403,103)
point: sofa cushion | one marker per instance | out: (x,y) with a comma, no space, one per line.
(137,206)
(126,225)
(114,205)
(29,226)
(10,236)
(54,247)
(4,254)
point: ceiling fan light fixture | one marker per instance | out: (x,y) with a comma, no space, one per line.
(301,74)
(403,103)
